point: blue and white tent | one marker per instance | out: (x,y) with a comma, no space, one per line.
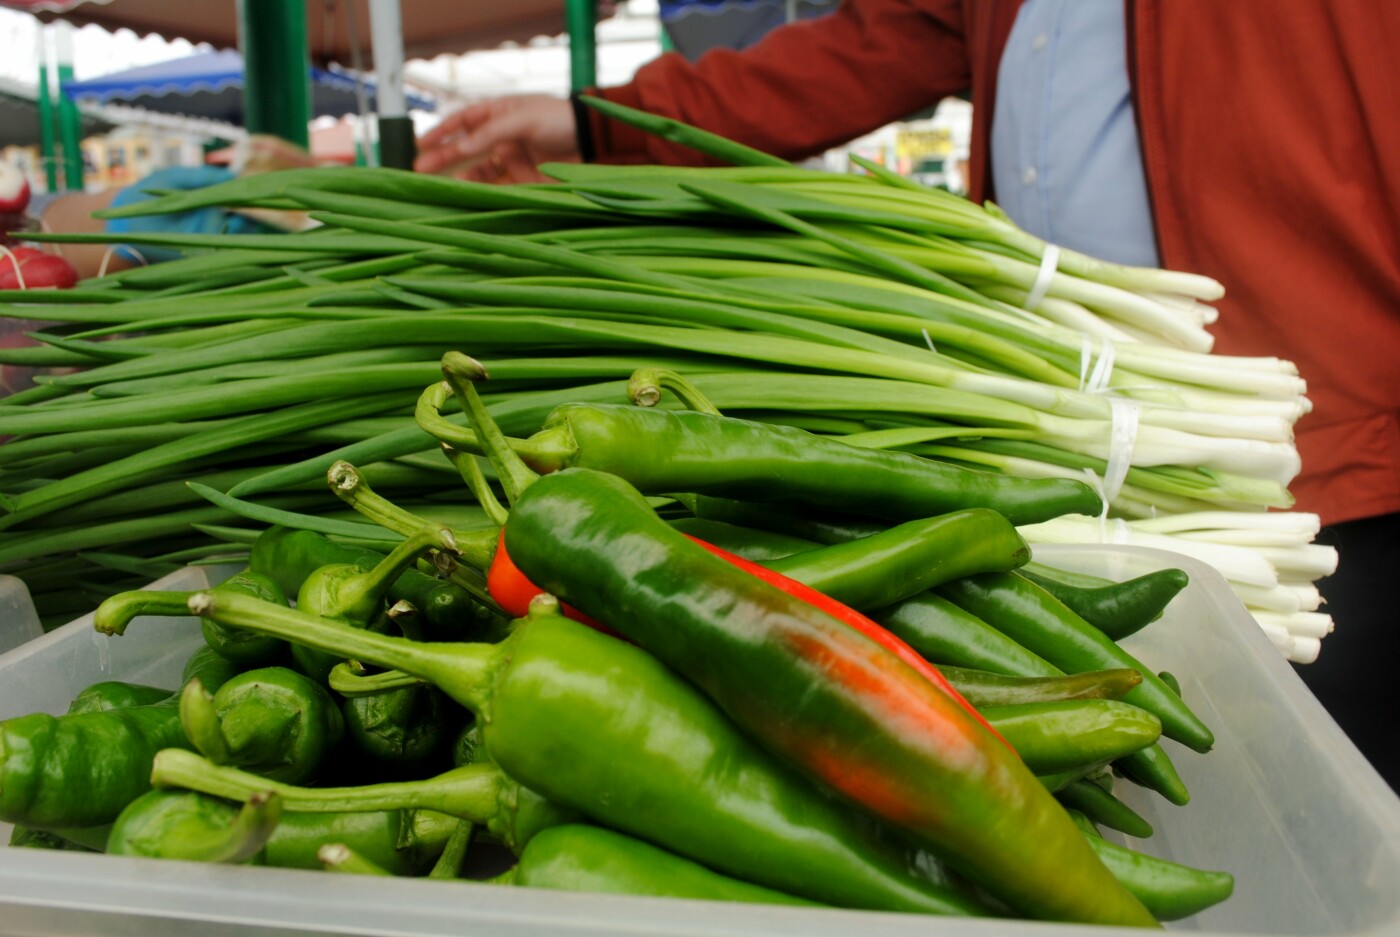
(210,85)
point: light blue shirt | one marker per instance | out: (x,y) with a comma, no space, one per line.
(1066,162)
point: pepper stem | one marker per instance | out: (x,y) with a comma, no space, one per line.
(360,595)
(117,611)
(646,384)
(244,838)
(449,864)
(470,470)
(462,373)
(475,547)
(200,720)
(465,672)
(348,679)
(338,857)
(468,793)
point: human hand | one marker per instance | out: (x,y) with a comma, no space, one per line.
(197,221)
(502,140)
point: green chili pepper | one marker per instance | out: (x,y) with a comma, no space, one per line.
(984,688)
(598,725)
(272,721)
(406,728)
(1036,619)
(905,560)
(290,556)
(210,667)
(1061,735)
(201,837)
(82,769)
(1103,808)
(661,451)
(161,822)
(1170,890)
(23,837)
(1118,609)
(113,694)
(592,859)
(357,596)
(751,544)
(810,688)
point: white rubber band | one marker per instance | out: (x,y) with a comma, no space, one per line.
(1049,261)
(112,249)
(1094,374)
(1123,436)
(19,274)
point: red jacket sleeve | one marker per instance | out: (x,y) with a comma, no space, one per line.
(804,88)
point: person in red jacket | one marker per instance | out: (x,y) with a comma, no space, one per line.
(1223,155)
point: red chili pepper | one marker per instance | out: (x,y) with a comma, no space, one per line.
(513,591)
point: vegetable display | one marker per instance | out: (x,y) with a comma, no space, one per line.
(726,593)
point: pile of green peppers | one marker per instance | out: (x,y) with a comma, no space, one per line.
(673,669)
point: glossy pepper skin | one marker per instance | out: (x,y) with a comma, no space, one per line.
(661,451)
(982,688)
(601,726)
(1118,609)
(907,559)
(80,770)
(272,721)
(1065,734)
(593,859)
(1036,619)
(825,698)
(290,556)
(114,694)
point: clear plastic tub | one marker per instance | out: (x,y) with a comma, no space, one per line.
(1285,802)
(19,623)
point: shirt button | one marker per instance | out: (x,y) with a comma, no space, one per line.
(1040,42)
(1029,176)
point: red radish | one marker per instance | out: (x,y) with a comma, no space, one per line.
(14,190)
(37,270)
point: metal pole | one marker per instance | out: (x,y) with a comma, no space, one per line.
(70,123)
(46,115)
(276,69)
(582,19)
(397,146)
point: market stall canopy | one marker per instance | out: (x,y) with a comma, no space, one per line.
(19,116)
(430,27)
(210,85)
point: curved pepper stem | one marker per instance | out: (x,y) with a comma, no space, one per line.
(117,611)
(449,864)
(346,592)
(428,415)
(474,547)
(197,839)
(470,470)
(349,680)
(469,792)
(646,384)
(462,373)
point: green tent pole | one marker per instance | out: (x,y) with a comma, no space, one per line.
(70,123)
(46,116)
(276,69)
(582,18)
